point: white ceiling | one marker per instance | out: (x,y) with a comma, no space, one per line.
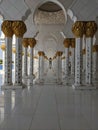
(26,9)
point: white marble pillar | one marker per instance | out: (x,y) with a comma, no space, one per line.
(84,60)
(72,57)
(91,28)
(25,45)
(41,66)
(3,47)
(19,28)
(7,30)
(14,54)
(63,68)
(78,31)
(18,63)
(94,62)
(32,43)
(67,44)
(59,69)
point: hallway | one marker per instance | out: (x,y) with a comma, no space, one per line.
(48,108)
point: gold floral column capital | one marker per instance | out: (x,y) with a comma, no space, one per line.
(6,27)
(19,28)
(84,51)
(3,47)
(59,53)
(72,40)
(41,53)
(67,42)
(14,50)
(32,42)
(90,28)
(63,58)
(95,48)
(78,29)
(70,53)
(25,42)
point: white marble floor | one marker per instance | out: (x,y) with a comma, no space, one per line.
(49,107)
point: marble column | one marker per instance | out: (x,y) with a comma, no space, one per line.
(78,31)
(94,62)
(84,65)
(66,44)
(7,30)
(63,68)
(32,43)
(25,45)
(19,28)
(90,29)
(72,57)
(59,60)
(41,66)
(14,54)
(3,47)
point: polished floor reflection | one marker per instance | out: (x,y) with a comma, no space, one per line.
(48,107)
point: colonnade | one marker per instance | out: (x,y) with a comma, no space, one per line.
(84,57)
(17,28)
(79,58)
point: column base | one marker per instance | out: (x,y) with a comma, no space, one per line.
(84,87)
(31,76)
(6,87)
(25,77)
(19,86)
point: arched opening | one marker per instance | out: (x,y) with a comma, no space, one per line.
(50,13)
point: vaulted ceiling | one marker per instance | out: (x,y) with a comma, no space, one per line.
(26,10)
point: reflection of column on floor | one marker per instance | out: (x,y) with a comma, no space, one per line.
(7,30)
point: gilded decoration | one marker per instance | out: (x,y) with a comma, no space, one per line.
(95,48)
(19,28)
(25,42)
(90,28)
(72,42)
(6,27)
(41,53)
(3,47)
(78,29)
(32,42)
(59,53)
(67,43)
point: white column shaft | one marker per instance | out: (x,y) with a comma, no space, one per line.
(31,62)
(94,64)
(25,61)
(66,62)
(8,62)
(88,60)
(73,61)
(18,62)
(78,62)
